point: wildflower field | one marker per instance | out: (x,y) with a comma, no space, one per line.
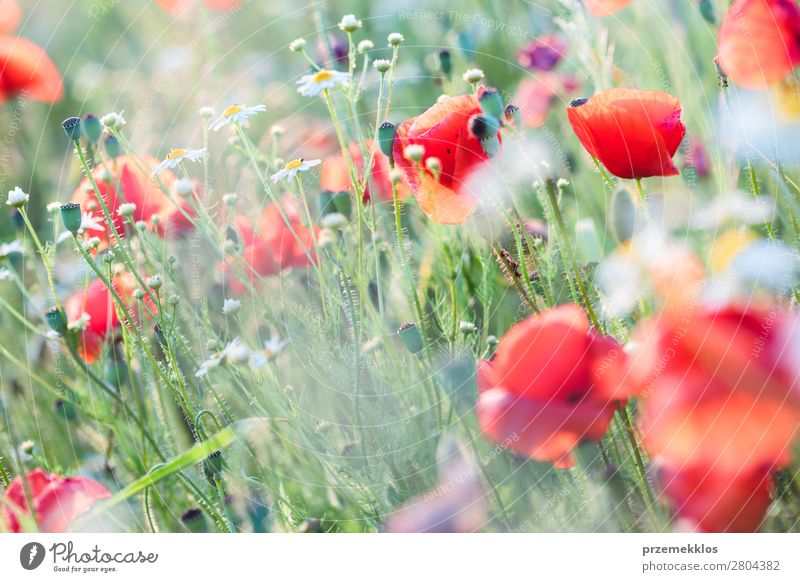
(404,266)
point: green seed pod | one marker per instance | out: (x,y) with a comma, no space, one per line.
(56,320)
(622,215)
(491,103)
(72,127)
(446,63)
(112,146)
(92,129)
(386,133)
(411,337)
(707,11)
(71,217)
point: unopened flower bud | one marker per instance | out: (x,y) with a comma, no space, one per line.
(349,23)
(386,134)
(365,45)
(126,210)
(446,63)
(472,76)
(154,282)
(297,45)
(206,112)
(173,300)
(382,65)
(138,294)
(491,103)
(395,38)
(112,147)
(411,337)
(512,116)
(414,152)
(92,129)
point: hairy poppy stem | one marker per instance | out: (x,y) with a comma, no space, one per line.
(569,256)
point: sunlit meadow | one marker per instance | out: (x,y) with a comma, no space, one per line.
(350,266)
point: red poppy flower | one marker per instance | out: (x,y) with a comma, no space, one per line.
(543,53)
(603,8)
(26,68)
(710,500)
(535,97)
(633,133)
(128,179)
(444,132)
(97,303)
(759,41)
(269,246)
(720,387)
(57,501)
(179,6)
(10,15)
(336,178)
(551,385)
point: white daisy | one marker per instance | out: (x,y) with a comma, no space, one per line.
(272,348)
(177,156)
(235,114)
(234,351)
(231,306)
(314,84)
(17,197)
(89,221)
(289,171)
(7,249)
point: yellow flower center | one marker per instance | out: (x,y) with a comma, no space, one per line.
(293,164)
(176,154)
(232,110)
(322,76)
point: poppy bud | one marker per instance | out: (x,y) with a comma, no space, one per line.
(71,217)
(213,465)
(707,11)
(512,116)
(622,215)
(483,126)
(92,129)
(56,320)
(72,127)
(112,147)
(386,133)
(446,63)
(411,337)
(491,103)
(194,520)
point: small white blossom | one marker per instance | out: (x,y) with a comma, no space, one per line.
(235,114)
(177,156)
(414,152)
(473,75)
(395,38)
(334,220)
(5,274)
(382,65)
(271,349)
(349,23)
(365,45)
(81,323)
(17,198)
(290,170)
(231,306)
(126,210)
(235,351)
(733,207)
(206,112)
(314,84)
(297,45)
(113,121)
